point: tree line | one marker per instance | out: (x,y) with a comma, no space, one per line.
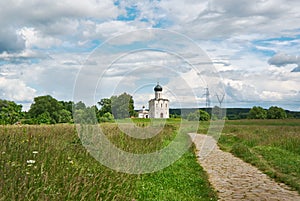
(48,110)
(255,112)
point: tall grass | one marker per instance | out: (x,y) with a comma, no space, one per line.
(271,145)
(49,163)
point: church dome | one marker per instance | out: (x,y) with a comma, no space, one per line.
(158,88)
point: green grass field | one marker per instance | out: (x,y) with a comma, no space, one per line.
(271,145)
(49,163)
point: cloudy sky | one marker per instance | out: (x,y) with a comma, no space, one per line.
(88,50)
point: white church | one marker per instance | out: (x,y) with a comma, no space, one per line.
(158,106)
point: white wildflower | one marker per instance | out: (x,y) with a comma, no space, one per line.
(30,161)
(35,152)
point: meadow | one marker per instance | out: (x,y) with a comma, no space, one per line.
(271,145)
(48,162)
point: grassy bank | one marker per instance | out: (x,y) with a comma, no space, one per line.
(49,163)
(271,145)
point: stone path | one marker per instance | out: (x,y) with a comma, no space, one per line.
(233,178)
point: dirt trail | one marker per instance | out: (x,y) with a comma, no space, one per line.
(235,179)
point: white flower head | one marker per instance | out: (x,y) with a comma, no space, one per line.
(30,161)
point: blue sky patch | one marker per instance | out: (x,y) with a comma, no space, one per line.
(131,14)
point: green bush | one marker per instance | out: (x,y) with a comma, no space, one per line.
(275,112)
(198,115)
(107,117)
(257,112)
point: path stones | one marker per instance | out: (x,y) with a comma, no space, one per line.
(235,179)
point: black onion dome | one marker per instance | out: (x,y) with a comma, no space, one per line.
(158,88)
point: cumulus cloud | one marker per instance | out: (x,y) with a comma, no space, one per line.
(224,19)
(272,87)
(115,28)
(282,59)
(16,90)
(42,24)
(43,44)
(246,8)
(34,39)
(10,41)
(25,56)
(47,11)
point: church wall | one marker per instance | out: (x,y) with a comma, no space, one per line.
(151,109)
(159,108)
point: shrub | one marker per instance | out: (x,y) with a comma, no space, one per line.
(275,112)
(198,115)
(107,117)
(257,112)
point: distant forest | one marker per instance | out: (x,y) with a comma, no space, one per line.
(231,113)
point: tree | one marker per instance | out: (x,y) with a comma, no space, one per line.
(65,116)
(10,112)
(275,112)
(198,115)
(105,104)
(67,105)
(131,107)
(48,110)
(86,115)
(44,118)
(45,104)
(80,106)
(257,112)
(122,106)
